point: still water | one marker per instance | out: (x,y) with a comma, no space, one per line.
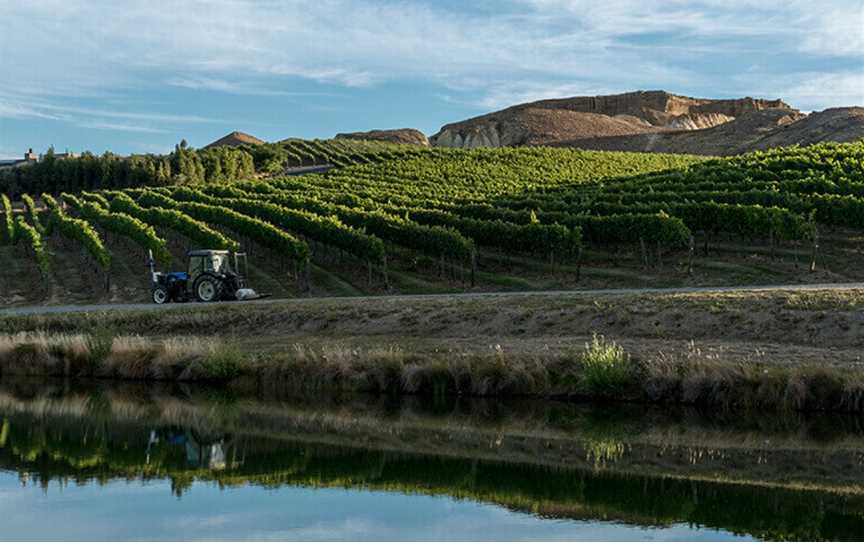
(180,463)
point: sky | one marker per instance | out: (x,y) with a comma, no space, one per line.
(139,75)
(148,512)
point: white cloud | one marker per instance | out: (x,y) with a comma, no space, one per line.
(16,106)
(121,127)
(231,87)
(810,90)
(503,95)
(11,110)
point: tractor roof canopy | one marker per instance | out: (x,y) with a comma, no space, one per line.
(208,253)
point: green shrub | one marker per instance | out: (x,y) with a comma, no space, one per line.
(606,368)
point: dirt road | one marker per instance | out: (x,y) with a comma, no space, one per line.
(64,309)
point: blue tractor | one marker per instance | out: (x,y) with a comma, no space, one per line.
(209,276)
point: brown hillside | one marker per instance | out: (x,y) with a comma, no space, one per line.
(568,119)
(405,136)
(541,126)
(655,121)
(758,130)
(841,124)
(235,139)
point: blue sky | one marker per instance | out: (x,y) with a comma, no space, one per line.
(148,512)
(137,76)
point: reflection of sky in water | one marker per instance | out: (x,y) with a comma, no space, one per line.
(148,512)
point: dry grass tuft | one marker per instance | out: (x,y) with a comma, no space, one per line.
(124,357)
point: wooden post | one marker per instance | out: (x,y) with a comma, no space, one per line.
(644,253)
(579,263)
(691,250)
(771,241)
(815,249)
(797,245)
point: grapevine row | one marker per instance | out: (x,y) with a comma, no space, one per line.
(121,224)
(34,240)
(258,230)
(77,230)
(196,231)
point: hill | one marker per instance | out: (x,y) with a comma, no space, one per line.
(654,121)
(405,136)
(235,139)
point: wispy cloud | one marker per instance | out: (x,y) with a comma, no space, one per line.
(810,90)
(11,110)
(241,88)
(18,107)
(523,49)
(121,127)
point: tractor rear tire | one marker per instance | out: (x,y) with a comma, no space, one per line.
(160,295)
(208,289)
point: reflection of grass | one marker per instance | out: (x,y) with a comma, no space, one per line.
(604,451)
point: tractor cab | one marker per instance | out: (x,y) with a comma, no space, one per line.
(209,276)
(208,261)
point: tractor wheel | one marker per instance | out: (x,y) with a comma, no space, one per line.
(160,295)
(208,289)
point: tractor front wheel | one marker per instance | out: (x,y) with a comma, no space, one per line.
(160,295)
(207,289)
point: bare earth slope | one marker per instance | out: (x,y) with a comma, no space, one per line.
(655,121)
(407,136)
(235,139)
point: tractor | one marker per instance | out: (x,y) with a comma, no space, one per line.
(209,277)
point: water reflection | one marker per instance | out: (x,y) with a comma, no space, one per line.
(771,479)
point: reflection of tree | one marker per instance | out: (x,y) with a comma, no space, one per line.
(63,449)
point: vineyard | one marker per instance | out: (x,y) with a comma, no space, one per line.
(392,218)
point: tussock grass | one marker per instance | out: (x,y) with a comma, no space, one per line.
(695,378)
(123,357)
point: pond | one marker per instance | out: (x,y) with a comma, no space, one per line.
(123,462)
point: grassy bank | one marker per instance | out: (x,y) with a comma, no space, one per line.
(601,370)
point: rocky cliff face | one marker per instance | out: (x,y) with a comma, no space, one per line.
(406,136)
(568,119)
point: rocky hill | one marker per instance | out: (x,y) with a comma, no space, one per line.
(406,136)
(654,121)
(235,139)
